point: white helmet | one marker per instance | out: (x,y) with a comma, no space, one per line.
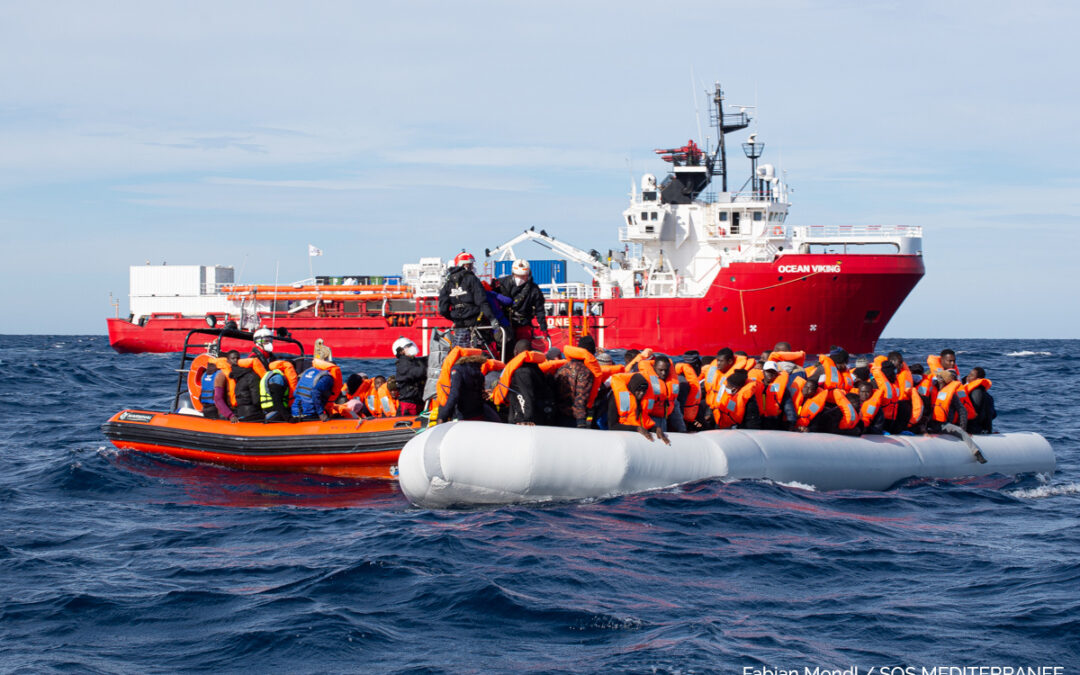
(264,338)
(405,344)
(521,268)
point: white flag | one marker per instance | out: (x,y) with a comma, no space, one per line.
(311,250)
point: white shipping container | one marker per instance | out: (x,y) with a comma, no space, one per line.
(165,280)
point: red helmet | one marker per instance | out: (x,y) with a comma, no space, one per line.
(464,258)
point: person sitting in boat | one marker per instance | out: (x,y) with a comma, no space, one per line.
(871,413)
(313,392)
(246,388)
(665,400)
(688,371)
(779,413)
(926,390)
(411,373)
(522,388)
(576,385)
(978,390)
(462,300)
(355,392)
(215,394)
(946,360)
(388,394)
(951,405)
(465,397)
(600,407)
(526,301)
(372,407)
(739,405)
(825,410)
(628,409)
(274,396)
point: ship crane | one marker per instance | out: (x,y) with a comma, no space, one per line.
(589,260)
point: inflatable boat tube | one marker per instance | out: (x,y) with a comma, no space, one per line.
(481,463)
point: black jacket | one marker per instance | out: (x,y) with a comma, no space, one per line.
(247,393)
(411,375)
(465,400)
(983,403)
(463,300)
(528,302)
(529,399)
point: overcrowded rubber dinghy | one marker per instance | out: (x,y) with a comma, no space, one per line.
(480,463)
(354,448)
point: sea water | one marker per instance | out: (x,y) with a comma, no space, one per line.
(117,562)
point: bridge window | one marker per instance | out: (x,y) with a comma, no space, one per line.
(723,216)
(757,215)
(654,215)
(629,220)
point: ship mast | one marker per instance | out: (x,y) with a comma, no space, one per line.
(724,124)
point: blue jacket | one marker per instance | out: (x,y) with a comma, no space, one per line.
(312,392)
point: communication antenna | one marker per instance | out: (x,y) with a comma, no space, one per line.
(273,312)
(697,110)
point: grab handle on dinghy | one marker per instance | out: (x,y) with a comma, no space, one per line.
(954,430)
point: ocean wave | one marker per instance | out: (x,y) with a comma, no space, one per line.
(1047,491)
(1027,352)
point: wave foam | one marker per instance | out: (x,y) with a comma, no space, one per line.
(1029,353)
(1047,491)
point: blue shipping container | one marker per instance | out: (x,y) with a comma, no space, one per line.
(543,271)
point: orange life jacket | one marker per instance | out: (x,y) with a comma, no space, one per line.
(870,407)
(791,357)
(583,355)
(629,411)
(442,387)
(890,392)
(944,400)
(549,367)
(926,388)
(906,382)
(731,408)
(388,405)
(664,392)
(833,377)
(693,395)
(643,355)
(810,409)
(502,389)
(371,397)
(330,367)
(934,362)
(917,408)
(491,365)
(774,394)
(975,384)
(289,371)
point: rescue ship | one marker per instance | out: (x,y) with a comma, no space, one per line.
(697,268)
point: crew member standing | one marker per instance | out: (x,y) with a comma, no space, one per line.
(527,301)
(463,300)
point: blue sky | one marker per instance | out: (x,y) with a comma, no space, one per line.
(237,133)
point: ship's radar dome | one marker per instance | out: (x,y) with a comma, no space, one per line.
(766,171)
(648,182)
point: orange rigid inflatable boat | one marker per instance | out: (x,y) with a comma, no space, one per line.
(365,448)
(352,448)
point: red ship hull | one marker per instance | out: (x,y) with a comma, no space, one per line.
(811,301)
